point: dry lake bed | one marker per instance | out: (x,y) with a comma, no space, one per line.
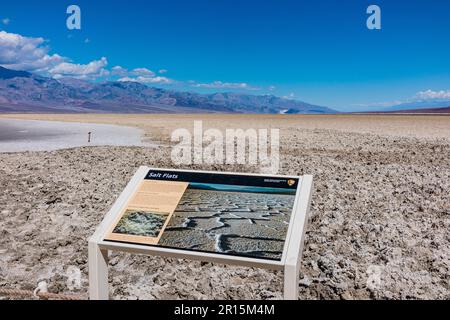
(378,228)
(38,135)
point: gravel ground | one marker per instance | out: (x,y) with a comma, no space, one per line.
(379,223)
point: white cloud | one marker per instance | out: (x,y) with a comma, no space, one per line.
(150,80)
(24,53)
(162,71)
(91,70)
(141,75)
(162,80)
(40,65)
(127,79)
(430,94)
(6,21)
(119,71)
(32,54)
(142,72)
(225,85)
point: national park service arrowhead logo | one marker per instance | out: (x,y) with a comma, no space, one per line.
(290,182)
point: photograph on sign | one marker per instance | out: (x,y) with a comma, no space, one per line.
(218,213)
(141,223)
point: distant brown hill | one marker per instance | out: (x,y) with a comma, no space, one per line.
(443,110)
(431,110)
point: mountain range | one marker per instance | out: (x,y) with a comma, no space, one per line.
(444,110)
(21,91)
(419,105)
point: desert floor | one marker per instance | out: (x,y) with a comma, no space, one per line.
(378,228)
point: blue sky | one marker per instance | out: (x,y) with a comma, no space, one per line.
(316,51)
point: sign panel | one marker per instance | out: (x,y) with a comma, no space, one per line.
(217,213)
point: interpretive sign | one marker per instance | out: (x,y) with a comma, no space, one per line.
(221,213)
(243,219)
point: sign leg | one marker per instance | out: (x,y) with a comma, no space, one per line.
(291,282)
(98,272)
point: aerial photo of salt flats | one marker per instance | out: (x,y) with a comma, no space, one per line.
(140,223)
(237,223)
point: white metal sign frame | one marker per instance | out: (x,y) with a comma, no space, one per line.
(290,261)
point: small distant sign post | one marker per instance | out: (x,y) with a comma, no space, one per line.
(89,136)
(249,219)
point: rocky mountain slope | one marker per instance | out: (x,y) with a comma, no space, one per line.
(21,91)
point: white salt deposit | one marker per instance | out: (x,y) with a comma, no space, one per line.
(36,135)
